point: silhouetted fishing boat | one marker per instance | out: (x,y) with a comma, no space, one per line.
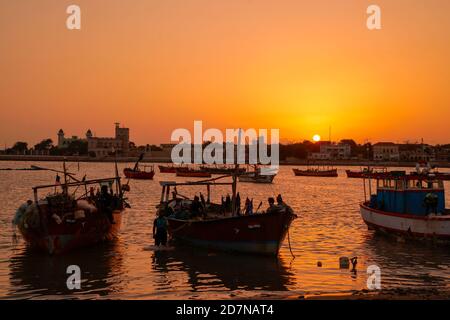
(368,172)
(409,205)
(71,216)
(318,172)
(147,173)
(170,168)
(221,169)
(259,233)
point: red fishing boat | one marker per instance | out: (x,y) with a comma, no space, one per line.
(147,173)
(368,172)
(221,169)
(319,172)
(192,173)
(72,216)
(258,233)
(170,168)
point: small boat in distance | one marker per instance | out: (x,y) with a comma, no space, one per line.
(425,169)
(70,215)
(221,169)
(206,224)
(192,173)
(408,205)
(170,168)
(256,176)
(316,172)
(147,173)
(372,172)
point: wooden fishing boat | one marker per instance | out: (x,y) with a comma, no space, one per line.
(192,173)
(170,168)
(259,233)
(72,216)
(257,175)
(369,172)
(146,174)
(221,169)
(408,205)
(332,173)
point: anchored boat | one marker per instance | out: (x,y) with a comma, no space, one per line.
(170,168)
(205,224)
(71,216)
(192,173)
(221,169)
(409,205)
(257,176)
(368,172)
(316,172)
(147,173)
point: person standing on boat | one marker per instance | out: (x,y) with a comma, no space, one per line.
(228,203)
(160,229)
(283,206)
(106,203)
(248,206)
(271,207)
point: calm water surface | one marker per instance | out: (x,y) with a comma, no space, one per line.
(329,227)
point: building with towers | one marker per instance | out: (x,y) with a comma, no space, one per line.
(101,146)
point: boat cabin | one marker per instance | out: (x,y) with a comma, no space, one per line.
(407,194)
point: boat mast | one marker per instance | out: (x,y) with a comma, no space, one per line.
(234,177)
(65,188)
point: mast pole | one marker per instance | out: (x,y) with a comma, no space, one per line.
(65,188)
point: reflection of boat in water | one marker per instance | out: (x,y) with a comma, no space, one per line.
(408,205)
(146,173)
(316,172)
(33,275)
(73,218)
(234,272)
(205,224)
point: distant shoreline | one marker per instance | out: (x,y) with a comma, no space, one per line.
(299,162)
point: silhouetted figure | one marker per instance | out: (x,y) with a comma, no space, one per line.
(160,229)
(271,207)
(106,201)
(248,206)
(228,203)
(196,207)
(238,204)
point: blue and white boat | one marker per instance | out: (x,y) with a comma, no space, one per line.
(409,205)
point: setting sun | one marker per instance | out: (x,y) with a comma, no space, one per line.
(316,138)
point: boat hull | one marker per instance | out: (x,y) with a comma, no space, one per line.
(193,174)
(308,173)
(167,169)
(142,175)
(421,227)
(63,238)
(256,234)
(257,179)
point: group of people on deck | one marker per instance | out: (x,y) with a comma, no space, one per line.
(198,208)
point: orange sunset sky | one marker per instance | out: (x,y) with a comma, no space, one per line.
(157,65)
